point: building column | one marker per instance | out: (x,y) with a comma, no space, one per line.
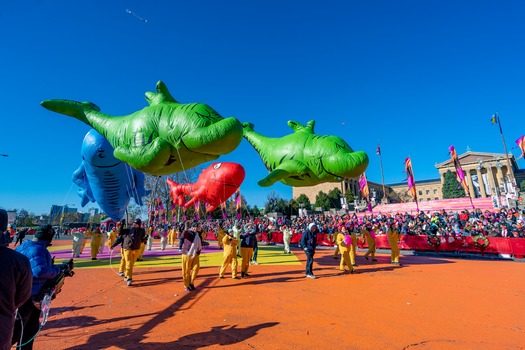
(499,176)
(470,184)
(481,184)
(492,185)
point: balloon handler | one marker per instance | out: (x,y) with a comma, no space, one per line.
(96,242)
(48,280)
(229,243)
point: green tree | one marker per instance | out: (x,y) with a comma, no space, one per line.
(322,201)
(304,201)
(335,198)
(293,207)
(452,187)
(350,198)
(271,202)
(282,206)
(522,186)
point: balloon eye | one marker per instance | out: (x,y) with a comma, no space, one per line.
(217,166)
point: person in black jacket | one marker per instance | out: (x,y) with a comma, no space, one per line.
(309,242)
(131,245)
(15,285)
(248,238)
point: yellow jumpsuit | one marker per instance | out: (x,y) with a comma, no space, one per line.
(393,238)
(353,249)
(112,237)
(171,237)
(191,266)
(96,241)
(220,236)
(246,255)
(229,255)
(336,252)
(371,245)
(345,253)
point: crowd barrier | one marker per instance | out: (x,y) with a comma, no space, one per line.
(497,245)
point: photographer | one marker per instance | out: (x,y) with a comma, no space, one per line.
(15,284)
(43,269)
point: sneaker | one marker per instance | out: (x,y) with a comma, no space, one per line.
(93,258)
(255,263)
(187,289)
(121,274)
(374,259)
(221,277)
(128,282)
(311,276)
(192,287)
(246,274)
(335,257)
(366,257)
(125,279)
(236,278)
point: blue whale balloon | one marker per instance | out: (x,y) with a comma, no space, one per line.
(105,179)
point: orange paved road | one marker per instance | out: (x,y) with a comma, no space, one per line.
(429,303)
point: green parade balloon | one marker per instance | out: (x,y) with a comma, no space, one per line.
(164,138)
(304,158)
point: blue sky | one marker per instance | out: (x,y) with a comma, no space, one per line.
(364,70)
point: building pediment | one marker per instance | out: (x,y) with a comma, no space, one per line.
(472,158)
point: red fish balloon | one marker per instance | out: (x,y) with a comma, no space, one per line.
(215,185)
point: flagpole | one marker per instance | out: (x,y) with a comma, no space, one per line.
(382,173)
(510,173)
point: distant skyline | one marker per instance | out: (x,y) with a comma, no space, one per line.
(415,76)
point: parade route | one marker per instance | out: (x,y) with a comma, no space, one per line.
(428,303)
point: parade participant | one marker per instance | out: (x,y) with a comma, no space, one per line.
(96,241)
(309,243)
(237,234)
(393,240)
(78,238)
(140,252)
(248,239)
(163,238)
(84,239)
(15,284)
(103,240)
(112,236)
(43,269)
(353,247)
(368,232)
(287,237)
(131,245)
(19,236)
(171,236)
(122,231)
(230,254)
(253,260)
(191,249)
(344,242)
(220,235)
(150,239)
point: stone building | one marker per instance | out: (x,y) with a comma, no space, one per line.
(488,174)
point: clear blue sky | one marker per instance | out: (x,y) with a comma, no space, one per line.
(364,70)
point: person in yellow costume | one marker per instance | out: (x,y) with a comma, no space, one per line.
(353,246)
(344,247)
(393,240)
(191,249)
(112,236)
(368,232)
(140,252)
(96,241)
(221,234)
(171,236)
(230,254)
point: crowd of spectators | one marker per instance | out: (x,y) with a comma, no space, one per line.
(503,223)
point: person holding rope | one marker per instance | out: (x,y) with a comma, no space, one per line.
(191,249)
(229,243)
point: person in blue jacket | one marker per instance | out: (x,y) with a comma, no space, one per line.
(43,268)
(308,243)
